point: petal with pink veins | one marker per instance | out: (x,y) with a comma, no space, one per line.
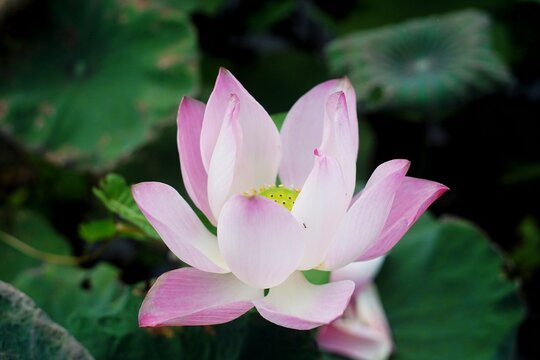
(302,130)
(188,296)
(362,333)
(298,304)
(178,226)
(260,153)
(189,121)
(412,198)
(365,219)
(320,206)
(221,173)
(260,240)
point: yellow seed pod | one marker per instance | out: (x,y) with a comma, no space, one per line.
(281,195)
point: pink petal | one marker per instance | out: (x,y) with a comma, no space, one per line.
(367,346)
(298,304)
(338,138)
(362,333)
(412,198)
(260,240)
(178,226)
(361,272)
(302,130)
(260,153)
(190,117)
(189,296)
(365,219)
(221,173)
(320,206)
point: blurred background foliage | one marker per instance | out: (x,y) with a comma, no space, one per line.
(88,95)
(422,67)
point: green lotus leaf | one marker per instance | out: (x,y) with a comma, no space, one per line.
(101,312)
(426,65)
(91,85)
(74,289)
(445,294)
(28,333)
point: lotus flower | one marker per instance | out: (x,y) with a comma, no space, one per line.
(362,333)
(230,155)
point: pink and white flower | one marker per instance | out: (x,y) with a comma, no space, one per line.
(230,154)
(362,333)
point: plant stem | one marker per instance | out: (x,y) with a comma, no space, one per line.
(38,254)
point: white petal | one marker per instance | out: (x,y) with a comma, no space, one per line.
(338,138)
(178,226)
(320,206)
(302,130)
(221,173)
(260,153)
(260,240)
(365,219)
(298,304)
(189,120)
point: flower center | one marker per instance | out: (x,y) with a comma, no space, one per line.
(280,194)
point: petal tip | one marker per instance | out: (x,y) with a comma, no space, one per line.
(134,188)
(438,189)
(441,190)
(224,74)
(404,162)
(145,318)
(398,165)
(224,80)
(137,188)
(185,102)
(223,69)
(345,82)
